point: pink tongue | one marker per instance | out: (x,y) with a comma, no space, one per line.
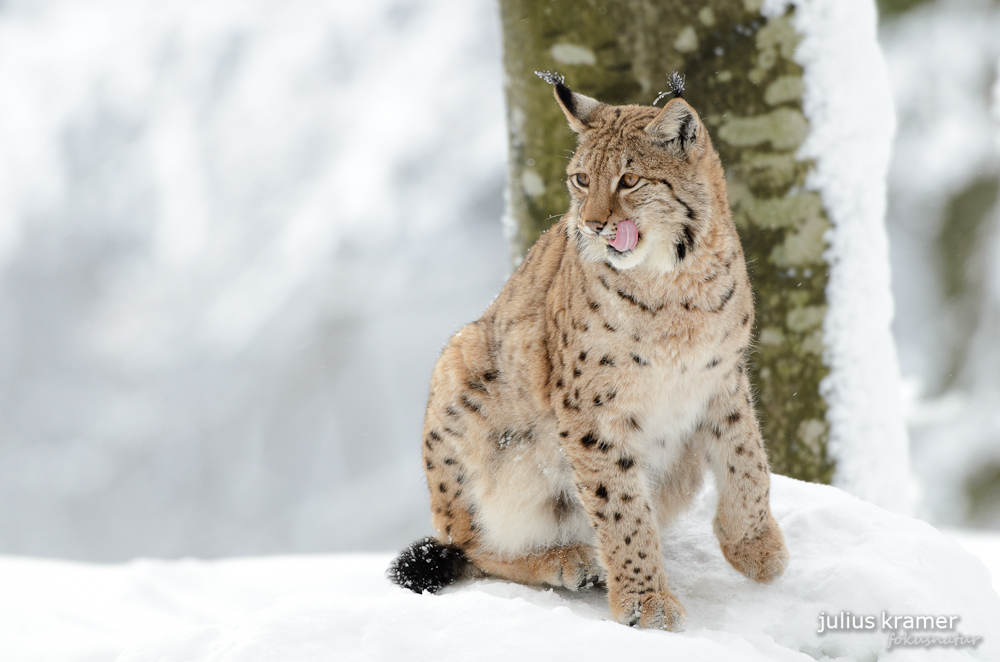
(627,237)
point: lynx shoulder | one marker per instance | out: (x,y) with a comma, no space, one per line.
(577,416)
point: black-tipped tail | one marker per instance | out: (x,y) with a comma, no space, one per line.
(427,565)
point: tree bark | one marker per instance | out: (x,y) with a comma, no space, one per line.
(742,80)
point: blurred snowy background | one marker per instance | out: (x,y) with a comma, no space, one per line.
(944,229)
(235,235)
(234,238)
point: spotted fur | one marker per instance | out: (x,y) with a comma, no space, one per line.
(569,424)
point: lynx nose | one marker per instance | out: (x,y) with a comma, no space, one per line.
(596,226)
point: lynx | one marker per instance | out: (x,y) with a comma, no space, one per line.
(569,424)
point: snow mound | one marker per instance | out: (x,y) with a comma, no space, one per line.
(847,556)
(984,544)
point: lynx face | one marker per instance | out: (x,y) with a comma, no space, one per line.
(643,165)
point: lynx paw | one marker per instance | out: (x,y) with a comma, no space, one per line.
(579,567)
(659,610)
(762,558)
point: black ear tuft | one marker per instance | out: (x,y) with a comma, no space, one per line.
(551,77)
(564,93)
(578,108)
(676,84)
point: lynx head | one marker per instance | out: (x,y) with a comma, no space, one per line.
(643,183)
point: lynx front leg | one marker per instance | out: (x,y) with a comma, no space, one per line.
(748,534)
(611,486)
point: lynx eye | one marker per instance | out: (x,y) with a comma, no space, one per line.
(628,180)
(582,180)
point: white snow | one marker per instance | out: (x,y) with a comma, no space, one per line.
(983,544)
(848,104)
(846,555)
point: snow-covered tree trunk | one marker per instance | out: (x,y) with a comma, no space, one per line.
(797,104)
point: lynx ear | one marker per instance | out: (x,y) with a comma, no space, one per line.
(677,124)
(578,108)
